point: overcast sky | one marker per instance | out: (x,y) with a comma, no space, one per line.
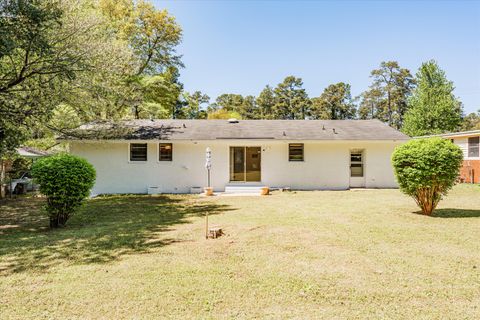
(241,46)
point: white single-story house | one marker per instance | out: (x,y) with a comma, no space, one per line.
(168,156)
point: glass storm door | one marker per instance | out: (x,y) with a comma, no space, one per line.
(357,174)
(245,164)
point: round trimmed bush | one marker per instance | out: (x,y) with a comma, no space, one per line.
(65,180)
(426,169)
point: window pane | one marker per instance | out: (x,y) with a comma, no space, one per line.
(252,163)
(356,157)
(356,170)
(237,164)
(295,152)
(165,152)
(473,150)
(138,152)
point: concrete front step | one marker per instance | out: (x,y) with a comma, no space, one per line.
(243,188)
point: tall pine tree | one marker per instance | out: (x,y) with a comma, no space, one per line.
(334,103)
(292,102)
(387,97)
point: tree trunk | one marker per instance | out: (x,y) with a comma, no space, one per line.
(58,221)
(136,112)
(2,178)
(427,199)
(389,109)
(53,222)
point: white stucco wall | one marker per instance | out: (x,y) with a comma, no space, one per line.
(326,165)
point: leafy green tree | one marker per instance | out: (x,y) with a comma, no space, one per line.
(249,109)
(228,102)
(106,89)
(149,86)
(265,102)
(223,114)
(245,107)
(426,169)
(370,101)
(46,48)
(334,103)
(152,34)
(292,101)
(433,106)
(156,96)
(194,105)
(471,121)
(387,97)
(58,53)
(65,180)
(32,67)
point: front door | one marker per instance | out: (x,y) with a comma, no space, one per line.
(245,164)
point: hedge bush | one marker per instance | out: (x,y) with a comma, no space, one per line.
(426,169)
(65,180)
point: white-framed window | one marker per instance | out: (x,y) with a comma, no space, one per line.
(473,147)
(138,152)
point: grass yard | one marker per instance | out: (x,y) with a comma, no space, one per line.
(338,254)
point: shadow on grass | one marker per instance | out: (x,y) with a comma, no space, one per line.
(456,213)
(103,230)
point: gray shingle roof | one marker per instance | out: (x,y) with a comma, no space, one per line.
(30,152)
(244,129)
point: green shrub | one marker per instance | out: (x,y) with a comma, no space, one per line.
(426,169)
(65,180)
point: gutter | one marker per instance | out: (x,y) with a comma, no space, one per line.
(451,134)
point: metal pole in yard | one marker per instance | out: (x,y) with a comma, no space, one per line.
(208,178)
(208,163)
(208,166)
(206,225)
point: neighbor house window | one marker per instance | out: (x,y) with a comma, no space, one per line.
(295,152)
(473,147)
(165,152)
(138,152)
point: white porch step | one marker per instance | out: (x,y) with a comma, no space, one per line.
(247,188)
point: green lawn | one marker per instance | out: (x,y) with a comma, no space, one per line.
(330,254)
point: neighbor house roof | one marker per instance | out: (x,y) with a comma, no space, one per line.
(29,152)
(454,134)
(241,129)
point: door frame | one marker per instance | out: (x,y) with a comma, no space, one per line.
(230,163)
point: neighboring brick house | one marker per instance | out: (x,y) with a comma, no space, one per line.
(469,142)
